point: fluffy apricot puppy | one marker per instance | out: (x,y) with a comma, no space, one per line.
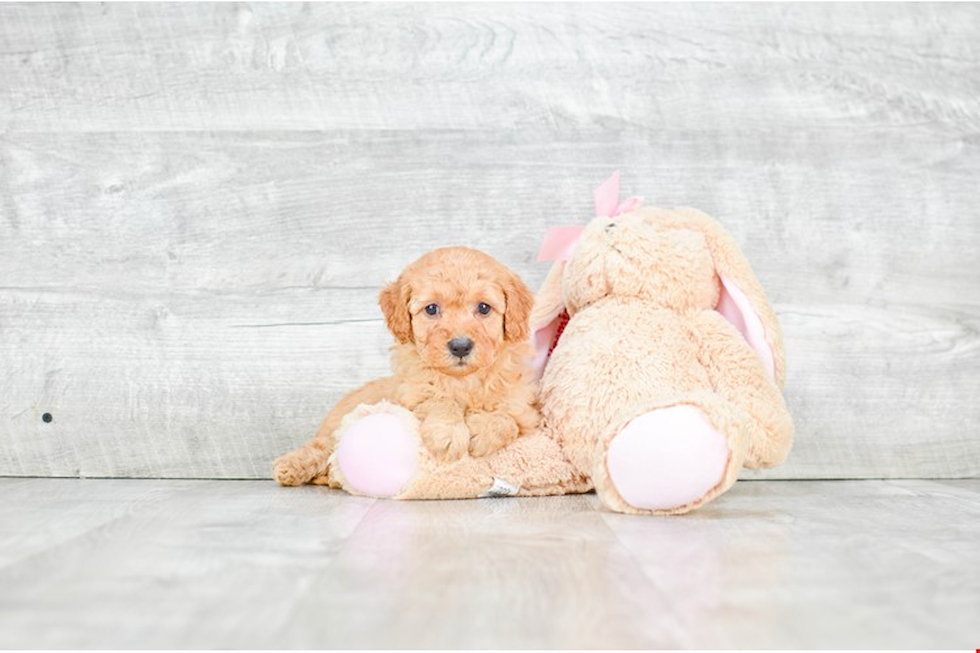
(461,361)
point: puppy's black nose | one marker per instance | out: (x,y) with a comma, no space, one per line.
(460,347)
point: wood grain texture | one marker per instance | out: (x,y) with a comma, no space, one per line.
(213,561)
(207,564)
(198,204)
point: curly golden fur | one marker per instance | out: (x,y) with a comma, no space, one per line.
(460,363)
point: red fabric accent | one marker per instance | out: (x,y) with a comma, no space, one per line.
(562,323)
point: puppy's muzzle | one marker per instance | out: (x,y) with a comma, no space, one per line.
(460,347)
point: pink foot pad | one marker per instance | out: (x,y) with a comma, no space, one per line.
(377,455)
(666,458)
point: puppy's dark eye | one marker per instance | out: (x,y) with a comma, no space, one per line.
(432,309)
(483,308)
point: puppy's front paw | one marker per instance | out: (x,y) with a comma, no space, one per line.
(294,469)
(491,431)
(446,441)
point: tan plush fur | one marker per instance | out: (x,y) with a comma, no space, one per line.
(644,335)
(641,290)
(535,459)
(473,405)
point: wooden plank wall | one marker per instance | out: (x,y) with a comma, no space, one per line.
(199,202)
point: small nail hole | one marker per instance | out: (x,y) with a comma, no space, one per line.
(46,418)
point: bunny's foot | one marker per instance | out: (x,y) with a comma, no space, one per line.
(667,460)
(377,450)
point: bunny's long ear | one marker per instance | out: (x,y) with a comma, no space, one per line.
(742,300)
(548,317)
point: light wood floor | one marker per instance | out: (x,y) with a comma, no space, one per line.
(130,563)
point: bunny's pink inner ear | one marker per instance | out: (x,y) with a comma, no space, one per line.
(736,308)
(545,340)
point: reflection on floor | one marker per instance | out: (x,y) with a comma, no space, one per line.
(244,564)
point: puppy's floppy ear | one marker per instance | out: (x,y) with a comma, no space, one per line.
(517,315)
(394,304)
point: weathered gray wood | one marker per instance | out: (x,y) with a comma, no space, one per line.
(819,564)
(515,555)
(557,68)
(207,564)
(182,560)
(198,204)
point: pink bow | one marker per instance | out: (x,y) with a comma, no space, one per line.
(559,242)
(607,204)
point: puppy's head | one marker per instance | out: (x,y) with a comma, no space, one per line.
(459,307)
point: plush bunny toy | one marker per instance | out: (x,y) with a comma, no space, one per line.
(662,366)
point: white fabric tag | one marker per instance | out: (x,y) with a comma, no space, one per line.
(501,488)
